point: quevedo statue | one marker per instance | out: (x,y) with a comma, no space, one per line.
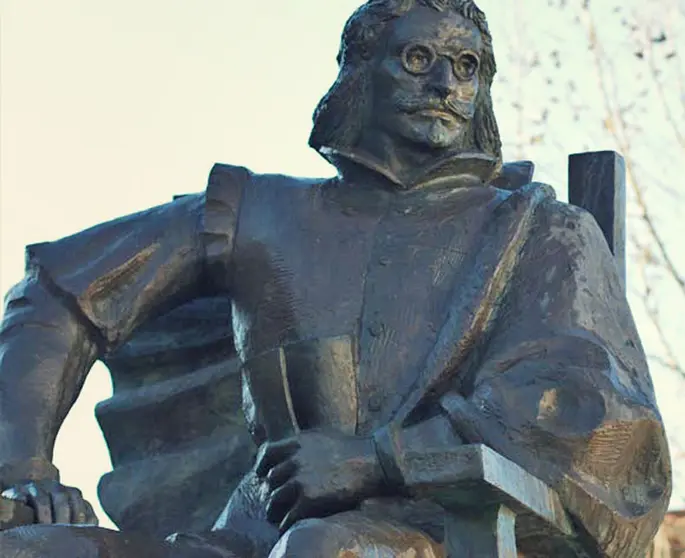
(424,299)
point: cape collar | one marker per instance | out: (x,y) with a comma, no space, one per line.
(456,168)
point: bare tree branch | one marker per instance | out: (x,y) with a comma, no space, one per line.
(671,360)
(659,87)
(616,125)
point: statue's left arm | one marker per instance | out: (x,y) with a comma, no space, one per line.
(83,296)
(560,386)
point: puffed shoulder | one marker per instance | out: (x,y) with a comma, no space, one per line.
(120,272)
(223,197)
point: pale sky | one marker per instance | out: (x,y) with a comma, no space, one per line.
(111,107)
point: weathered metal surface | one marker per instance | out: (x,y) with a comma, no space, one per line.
(474,309)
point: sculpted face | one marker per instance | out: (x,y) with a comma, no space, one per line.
(425,80)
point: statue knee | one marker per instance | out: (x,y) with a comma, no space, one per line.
(44,541)
(24,542)
(315,538)
(11,547)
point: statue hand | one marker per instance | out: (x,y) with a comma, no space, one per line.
(53,502)
(317,474)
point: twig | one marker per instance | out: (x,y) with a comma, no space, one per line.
(665,363)
(671,361)
(668,113)
(615,118)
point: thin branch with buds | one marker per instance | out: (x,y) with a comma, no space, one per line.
(616,126)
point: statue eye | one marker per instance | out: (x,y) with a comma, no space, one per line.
(418,59)
(466,66)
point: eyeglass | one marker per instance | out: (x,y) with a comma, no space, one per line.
(419,59)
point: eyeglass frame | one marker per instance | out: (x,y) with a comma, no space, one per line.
(434,55)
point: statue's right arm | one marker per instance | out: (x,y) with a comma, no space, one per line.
(81,298)
(45,354)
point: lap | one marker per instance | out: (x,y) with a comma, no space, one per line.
(348,535)
(381,527)
(59,541)
(355,534)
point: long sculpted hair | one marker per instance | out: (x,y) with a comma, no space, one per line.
(341,114)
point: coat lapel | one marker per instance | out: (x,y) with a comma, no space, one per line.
(478,293)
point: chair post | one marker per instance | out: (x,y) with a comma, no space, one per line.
(597,183)
(488,532)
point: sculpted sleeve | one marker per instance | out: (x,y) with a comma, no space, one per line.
(562,387)
(84,295)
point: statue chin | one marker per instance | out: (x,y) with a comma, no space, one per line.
(435,134)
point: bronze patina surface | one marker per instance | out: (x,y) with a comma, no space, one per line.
(299,365)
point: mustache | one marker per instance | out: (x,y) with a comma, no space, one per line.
(450,106)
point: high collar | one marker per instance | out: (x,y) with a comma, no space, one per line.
(454,169)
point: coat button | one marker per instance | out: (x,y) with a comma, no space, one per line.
(376,329)
(375,402)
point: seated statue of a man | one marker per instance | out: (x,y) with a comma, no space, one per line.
(383,318)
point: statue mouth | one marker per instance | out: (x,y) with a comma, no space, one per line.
(444,110)
(439,114)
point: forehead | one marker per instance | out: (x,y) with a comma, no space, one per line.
(446,28)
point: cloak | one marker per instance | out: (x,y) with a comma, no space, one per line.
(530,347)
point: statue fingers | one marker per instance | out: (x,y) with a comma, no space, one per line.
(39,499)
(91,518)
(281,473)
(19,494)
(16,493)
(61,508)
(282,501)
(53,503)
(80,510)
(273,453)
(77,508)
(301,510)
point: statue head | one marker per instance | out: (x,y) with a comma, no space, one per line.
(415,75)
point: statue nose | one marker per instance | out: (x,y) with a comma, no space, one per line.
(442,78)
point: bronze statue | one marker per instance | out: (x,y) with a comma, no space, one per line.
(423,299)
